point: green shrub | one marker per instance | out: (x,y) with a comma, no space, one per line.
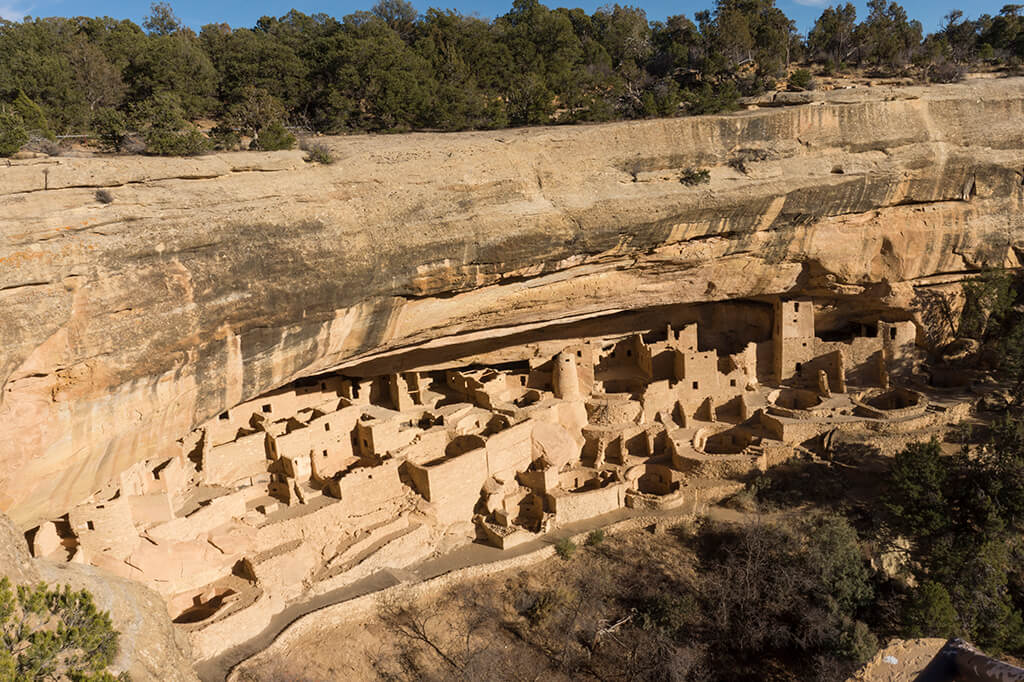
(856,642)
(32,116)
(226,138)
(275,137)
(166,132)
(54,634)
(711,99)
(595,537)
(801,79)
(930,613)
(695,176)
(565,548)
(916,494)
(111,126)
(187,142)
(12,133)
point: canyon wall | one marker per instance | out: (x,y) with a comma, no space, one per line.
(209,281)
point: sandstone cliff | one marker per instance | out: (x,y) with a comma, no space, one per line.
(209,281)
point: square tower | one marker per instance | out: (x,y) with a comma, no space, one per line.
(793,337)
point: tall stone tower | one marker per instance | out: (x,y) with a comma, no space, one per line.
(793,338)
(565,378)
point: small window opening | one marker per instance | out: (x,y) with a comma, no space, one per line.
(266,408)
(323,385)
(327,427)
(325,453)
(805,344)
(892,333)
(579,354)
(522,381)
(629,353)
(799,367)
(696,384)
(366,443)
(223,416)
(90,525)
(732,382)
(796,307)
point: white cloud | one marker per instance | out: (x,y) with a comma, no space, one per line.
(13,12)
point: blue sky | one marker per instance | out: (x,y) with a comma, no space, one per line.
(244,13)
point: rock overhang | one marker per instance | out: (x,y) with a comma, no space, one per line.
(210,281)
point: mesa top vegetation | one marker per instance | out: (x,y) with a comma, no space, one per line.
(391,69)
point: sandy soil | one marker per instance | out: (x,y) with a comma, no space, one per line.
(900,661)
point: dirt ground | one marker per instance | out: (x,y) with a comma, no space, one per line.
(900,661)
(479,626)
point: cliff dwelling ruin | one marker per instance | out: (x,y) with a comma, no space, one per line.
(252,383)
(300,490)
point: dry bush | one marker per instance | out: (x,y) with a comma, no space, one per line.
(317,152)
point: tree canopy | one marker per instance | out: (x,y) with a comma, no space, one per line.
(392,69)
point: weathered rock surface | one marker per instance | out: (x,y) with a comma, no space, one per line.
(209,281)
(150,647)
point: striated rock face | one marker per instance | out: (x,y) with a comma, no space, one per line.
(209,281)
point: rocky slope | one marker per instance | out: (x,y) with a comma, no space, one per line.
(209,281)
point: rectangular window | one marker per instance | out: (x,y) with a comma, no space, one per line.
(892,333)
(223,416)
(696,385)
(732,382)
(90,525)
(266,408)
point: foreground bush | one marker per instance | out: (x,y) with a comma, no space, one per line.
(54,634)
(275,137)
